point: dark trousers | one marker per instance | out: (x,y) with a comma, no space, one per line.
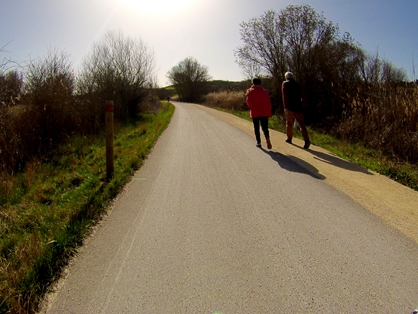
(264,126)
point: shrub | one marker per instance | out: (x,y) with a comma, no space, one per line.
(49,90)
(11,84)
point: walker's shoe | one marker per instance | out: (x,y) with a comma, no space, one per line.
(268,144)
(258,145)
(307,144)
(289,140)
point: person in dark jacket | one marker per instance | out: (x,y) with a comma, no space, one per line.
(258,100)
(293,108)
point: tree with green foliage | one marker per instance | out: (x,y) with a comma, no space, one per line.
(190,79)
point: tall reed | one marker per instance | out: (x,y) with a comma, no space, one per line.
(384,118)
(232,100)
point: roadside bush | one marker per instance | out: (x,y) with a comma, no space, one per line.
(36,115)
(15,138)
(11,84)
(49,90)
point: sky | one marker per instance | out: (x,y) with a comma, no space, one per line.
(207,30)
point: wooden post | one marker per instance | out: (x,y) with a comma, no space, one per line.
(110,168)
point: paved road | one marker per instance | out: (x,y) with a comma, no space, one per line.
(211,224)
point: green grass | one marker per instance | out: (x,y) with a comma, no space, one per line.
(403,173)
(170,88)
(52,207)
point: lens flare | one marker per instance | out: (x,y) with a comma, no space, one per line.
(157,6)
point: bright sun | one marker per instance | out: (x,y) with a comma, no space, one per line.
(157,6)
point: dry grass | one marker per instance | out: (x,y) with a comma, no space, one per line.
(231,100)
(384,119)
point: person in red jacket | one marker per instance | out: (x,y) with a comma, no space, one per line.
(258,100)
(293,108)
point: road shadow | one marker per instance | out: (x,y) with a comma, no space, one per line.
(336,161)
(294,164)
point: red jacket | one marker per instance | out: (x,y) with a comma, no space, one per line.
(258,99)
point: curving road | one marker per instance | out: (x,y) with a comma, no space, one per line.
(211,224)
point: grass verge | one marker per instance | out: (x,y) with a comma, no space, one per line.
(400,172)
(52,207)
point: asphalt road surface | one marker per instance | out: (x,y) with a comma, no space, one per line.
(212,224)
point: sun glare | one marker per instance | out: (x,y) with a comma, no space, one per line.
(157,6)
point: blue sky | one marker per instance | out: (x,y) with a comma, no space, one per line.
(207,30)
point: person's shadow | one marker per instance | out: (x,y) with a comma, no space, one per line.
(294,164)
(337,162)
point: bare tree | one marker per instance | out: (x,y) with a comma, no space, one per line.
(121,69)
(286,40)
(6,62)
(250,69)
(370,68)
(263,47)
(189,78)
(374,70)
(392,74)
(300,40)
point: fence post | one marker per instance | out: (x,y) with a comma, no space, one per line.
(110,168)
